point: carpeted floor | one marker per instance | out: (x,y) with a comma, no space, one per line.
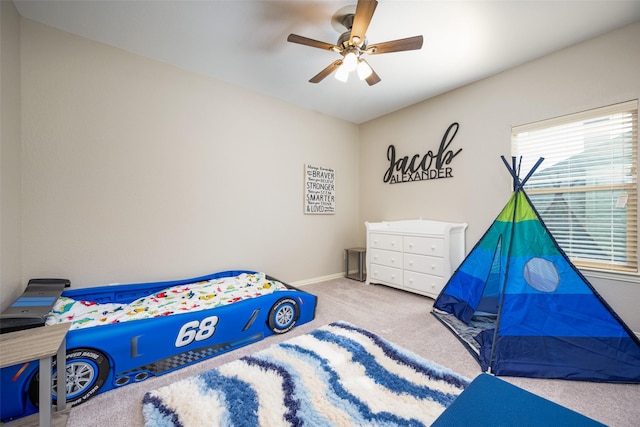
(400,317)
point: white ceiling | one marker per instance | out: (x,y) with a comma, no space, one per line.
(244,42)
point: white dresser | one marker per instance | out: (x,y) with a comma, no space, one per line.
(415,255)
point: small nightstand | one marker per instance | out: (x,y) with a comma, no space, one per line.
(360,275)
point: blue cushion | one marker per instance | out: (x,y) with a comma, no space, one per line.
(492,402)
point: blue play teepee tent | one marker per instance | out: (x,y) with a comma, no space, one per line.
(523,309)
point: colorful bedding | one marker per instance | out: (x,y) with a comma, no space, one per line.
(174,300)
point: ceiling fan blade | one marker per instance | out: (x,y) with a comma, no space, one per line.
(411,43)
(324,73)
(361,20)
(373,78)
(294,38)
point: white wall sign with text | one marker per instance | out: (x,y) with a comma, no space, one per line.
(319,190)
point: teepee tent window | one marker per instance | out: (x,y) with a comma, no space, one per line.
(541,274)
(586,190)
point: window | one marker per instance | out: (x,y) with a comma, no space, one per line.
(586,189)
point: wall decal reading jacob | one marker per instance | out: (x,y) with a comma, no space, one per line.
(319,190)
(423,167)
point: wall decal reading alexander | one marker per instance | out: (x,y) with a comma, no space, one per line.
(423,167)
(319,190)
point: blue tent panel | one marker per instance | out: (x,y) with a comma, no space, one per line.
(578,358)
(558,315)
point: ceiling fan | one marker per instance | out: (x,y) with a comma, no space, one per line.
(352,44)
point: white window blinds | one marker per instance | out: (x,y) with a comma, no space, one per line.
(586,189)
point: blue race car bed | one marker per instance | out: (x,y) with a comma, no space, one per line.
(126,333)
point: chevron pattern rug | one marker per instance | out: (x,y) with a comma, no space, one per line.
(336,375)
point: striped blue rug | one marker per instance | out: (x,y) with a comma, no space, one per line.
(336,375)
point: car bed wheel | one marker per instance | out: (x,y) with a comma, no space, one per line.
(283,315)
(87,371)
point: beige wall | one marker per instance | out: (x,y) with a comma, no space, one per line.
(10,163)
(138,171)
(596,73)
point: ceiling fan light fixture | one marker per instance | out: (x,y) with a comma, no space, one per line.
(342,74)
(350,61)
(364,70)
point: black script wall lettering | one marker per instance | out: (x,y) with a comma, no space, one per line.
(444,144)
(407,169)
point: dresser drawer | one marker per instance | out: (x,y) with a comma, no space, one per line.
(383,274)
(423,283)
(424,264)
(424,245)
(390,242)
(388,258)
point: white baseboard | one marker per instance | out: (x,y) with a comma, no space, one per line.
(305,282)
